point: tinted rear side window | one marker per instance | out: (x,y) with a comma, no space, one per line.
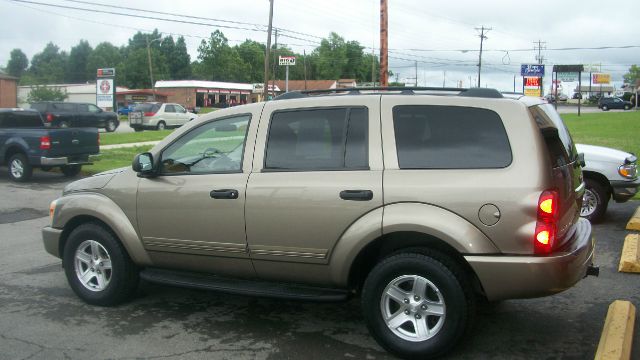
(39,106)
(556,136)
(449,137)
(317,139)
(144,107)
(20,119)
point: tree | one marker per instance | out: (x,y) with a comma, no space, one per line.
(77,63)
(48,66)
(633,75)
(218,61)
(105,55)
(177,58)
(252,54)
(17,64)
(44,93)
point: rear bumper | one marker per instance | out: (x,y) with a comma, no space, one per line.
(68,160)
(624,190)
(512,277)
(51,239)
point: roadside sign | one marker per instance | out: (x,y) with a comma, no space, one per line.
(105,93)
(530,81)
(599,78)
(532,92)
(286,60)
(106,72)
(532,70)
(567,76)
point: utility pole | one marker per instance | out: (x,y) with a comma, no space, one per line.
(384,38)
(275,66)
(416,73)
(482,37)
(267,54)
(541,46)
(373,67)
(444,78)
(304,62)
(153,85)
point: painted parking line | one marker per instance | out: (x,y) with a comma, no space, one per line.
(634,222)
(617,334)
(630,258)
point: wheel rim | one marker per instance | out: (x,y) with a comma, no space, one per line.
(111,126)
(93,265)
(413,308)
(17,168)
(589,203)
(161,126)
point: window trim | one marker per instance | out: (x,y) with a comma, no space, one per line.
(393,125)
(348,109)
(244,148)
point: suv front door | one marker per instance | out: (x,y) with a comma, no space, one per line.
(191,215)
(320,172)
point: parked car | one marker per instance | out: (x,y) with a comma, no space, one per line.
(576,96)
(125,110)
(25,143)
(552,98)
(608,173)
(159,116)
(482,196)
(606,103)
(67,114)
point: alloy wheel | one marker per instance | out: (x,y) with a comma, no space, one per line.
(92,265)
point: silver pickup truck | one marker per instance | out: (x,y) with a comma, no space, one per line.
(607,173)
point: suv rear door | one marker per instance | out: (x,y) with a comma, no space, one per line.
(317,170)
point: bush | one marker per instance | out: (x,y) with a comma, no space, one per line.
(44,93)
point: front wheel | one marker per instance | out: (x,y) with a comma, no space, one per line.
(417,305)
(594,201)
(605,108)
(19,168)
(98,267)
(111,126)
(627,107)
(138,129)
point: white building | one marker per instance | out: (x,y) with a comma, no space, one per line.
(85,93)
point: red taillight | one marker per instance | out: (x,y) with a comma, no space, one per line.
(149,113)
(45,143)
(545,236)
(49,117)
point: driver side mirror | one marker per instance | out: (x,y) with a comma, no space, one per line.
(143,164)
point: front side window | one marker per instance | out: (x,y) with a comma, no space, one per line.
(450,137)
(93,108)
(179,109)
(317,139)
(210,148)
(83,108)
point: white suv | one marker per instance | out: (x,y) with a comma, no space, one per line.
(159,116)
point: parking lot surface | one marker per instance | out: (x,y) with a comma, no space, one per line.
(41,318)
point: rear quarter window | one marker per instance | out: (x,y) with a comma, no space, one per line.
(449,137)
(557,138)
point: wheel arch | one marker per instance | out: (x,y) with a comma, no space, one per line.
(75,210)
(12,148)
(600,179)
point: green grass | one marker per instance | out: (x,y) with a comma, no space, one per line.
(618,130)
(206,110)
(134,137)
(114,158)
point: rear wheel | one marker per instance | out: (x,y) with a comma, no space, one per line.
(71,170)
(138,129)
(98,267)
(63,124)
(594,201)
(161,125)
(605,108)
(627,107)
(19,168)
(417,305)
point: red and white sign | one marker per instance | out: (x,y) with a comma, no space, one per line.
(104,93)
(286,60)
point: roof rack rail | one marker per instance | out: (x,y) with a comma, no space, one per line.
(471,92)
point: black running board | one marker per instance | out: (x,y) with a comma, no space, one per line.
(242,287)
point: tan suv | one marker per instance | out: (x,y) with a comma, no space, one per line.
(417,200)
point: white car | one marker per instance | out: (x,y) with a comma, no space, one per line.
(159,116)
(608,173)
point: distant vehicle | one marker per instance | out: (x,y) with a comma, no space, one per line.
(68,114)
(159,116)
(125,110)
(552,98)
(577,96)
(606,103)
(25,143)
(608,173)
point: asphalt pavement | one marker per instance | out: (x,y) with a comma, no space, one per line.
(41,318)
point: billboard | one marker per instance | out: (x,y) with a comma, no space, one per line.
(530,81)
(599,78)
(105,93)
(532,92)
(532,70)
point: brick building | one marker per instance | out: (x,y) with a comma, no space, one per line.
(8,91)
(192,93)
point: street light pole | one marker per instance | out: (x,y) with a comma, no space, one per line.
(267,54)
(153,85)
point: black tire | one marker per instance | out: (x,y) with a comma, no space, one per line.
(446,276)
(46,168)
(627,107)
(161,125)
(123,276)
(71,170)
(19,168)
(596,192)
(138,129)
(111,126)
(605,108)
